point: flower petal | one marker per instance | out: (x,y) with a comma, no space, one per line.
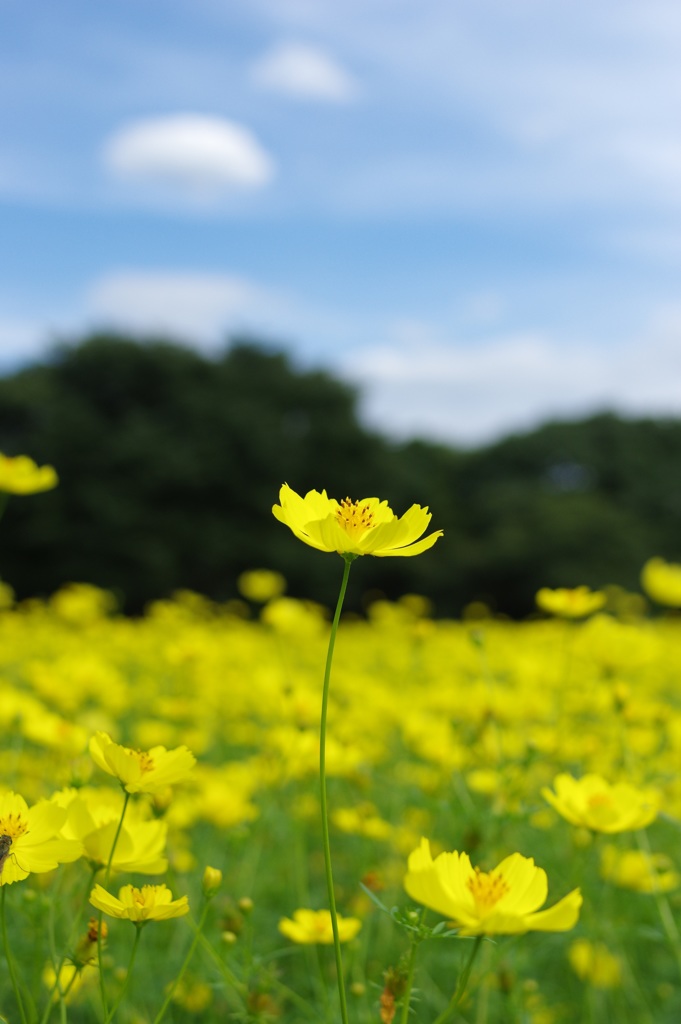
(412,549)
(558,918)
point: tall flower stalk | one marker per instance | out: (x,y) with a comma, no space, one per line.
(348,560)
(348,528)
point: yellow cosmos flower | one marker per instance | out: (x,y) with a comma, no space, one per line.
(592,802)
(261,585)
(29,839)
(93,818)
(150,903)
(662,581)
(504,901)
(594,963)
(72,978)
(20,475)
(314,926)
(192,994)
(570,604)
(366,527)
(141,771)
(638,871)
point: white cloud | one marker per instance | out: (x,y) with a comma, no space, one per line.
(425,385)
(202,155)
(198,307)
(305,72)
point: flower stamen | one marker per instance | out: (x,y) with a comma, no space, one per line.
(11,827)
(487,888)
(354,518)
(146,761)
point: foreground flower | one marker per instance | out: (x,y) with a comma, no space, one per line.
(662,581)
(592,802)
(366,527)
(141,771)
(29,840)
(314,926)
(638,871)
(20,475)
(504,901)
(150,903)
(570,604)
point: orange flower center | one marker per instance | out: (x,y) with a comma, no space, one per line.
(487,888)
(354,518)
(598,800)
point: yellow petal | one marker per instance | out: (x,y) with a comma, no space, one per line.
(413,549)
(559,918)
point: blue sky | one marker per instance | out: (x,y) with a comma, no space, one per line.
(470,208)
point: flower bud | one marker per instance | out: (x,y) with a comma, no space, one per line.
(212,880)
(86,949)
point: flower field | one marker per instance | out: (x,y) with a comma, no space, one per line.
(556,740)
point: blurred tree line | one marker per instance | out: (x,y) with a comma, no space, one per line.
(170,462)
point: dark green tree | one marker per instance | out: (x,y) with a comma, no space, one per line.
(170,462)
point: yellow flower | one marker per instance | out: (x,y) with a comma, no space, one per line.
(504,901)
(141,771)
(366,527)
(150,903)
(570,604)
(638,871)
(662,581)
(362,821)
(212,880)
(594,803)
(314,926)
(261,585)
(72,978)
(20,475)
(93,817)
(29,839)
(593,962)
(192,994)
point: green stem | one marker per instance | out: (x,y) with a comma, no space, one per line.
(59,964)
(185,964)
(461,984)
(663,908)
(348,560)
(63,993)
(107,875)
(411,967)
(241,991)
(10,961)
(128,973)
